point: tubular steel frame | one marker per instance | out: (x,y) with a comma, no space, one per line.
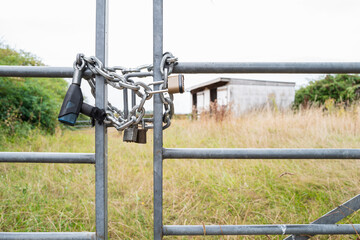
(161,153)
(324,225)
(100,156)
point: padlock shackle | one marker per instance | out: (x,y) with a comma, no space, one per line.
(77,77)
(181,83)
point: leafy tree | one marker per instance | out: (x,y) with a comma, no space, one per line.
(27,103)
(343,88)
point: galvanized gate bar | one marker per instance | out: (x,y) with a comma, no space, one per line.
(280,229)
(158,113)
(333,216)
(50,157)
(260,153)
(39,71)
(267,67)
(101,144)
(47,236)
(201,67)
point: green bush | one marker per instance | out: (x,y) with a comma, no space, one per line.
(28,103)
(343,88)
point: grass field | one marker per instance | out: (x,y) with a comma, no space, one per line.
(59,197)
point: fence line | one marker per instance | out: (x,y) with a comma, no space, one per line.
(160,153)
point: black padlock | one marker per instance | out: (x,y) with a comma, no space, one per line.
(73,100)
(141,136)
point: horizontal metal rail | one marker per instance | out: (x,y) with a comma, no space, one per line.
(43,157)
(39,71)
(201,67)
(281,229)
(260,153)
(267,67)
(47,236)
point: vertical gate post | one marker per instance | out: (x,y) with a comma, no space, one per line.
(158,112)
(101,172)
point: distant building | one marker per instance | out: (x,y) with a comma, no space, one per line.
(242,94)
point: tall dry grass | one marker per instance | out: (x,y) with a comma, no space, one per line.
(60,197)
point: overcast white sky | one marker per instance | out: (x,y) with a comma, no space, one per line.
(194,30)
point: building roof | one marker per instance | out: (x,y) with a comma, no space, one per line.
(218,82)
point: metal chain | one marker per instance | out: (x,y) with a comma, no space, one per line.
(116,117)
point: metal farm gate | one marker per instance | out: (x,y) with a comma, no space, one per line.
(324,225)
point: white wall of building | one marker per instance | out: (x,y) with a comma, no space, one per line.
(243,95)
(200,101)
(247,97)
(207,99)
(203,100)
(223,96)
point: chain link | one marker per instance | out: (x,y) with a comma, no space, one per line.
(116,117)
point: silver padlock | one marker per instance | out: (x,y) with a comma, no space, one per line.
(130,134)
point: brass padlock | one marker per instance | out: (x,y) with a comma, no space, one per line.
(141,136)
(130,134)
(176,84)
